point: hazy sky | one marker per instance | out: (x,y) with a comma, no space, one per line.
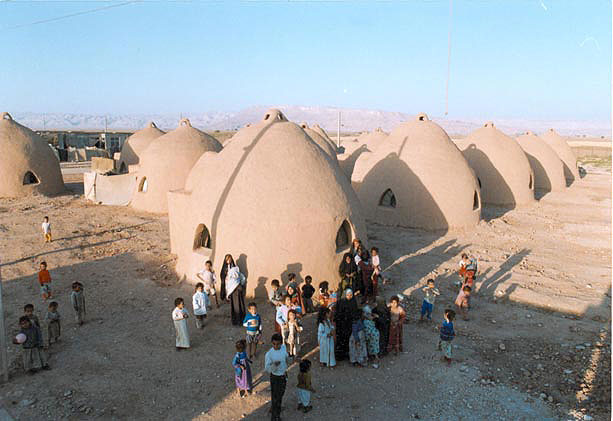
(510,59)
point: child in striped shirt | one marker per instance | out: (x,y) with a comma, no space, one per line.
(253,324)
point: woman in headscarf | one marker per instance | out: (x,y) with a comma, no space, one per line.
(366,272)
(346,308)
(228,262)
(382,322)
(294,294)
(349,273)
(235,288)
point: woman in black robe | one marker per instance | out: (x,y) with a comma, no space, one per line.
(346,308)
(235,283)
(382,323)
(228,262)
(349,273)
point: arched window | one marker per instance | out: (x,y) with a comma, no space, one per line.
(202,239)
(476,201)
(30,178)
(388,199)
(142,186)
(343,236)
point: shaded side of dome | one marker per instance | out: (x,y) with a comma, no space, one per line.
(547,167)
(565,153)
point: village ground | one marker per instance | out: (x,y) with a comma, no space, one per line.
(537,345)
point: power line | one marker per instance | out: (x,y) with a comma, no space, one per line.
(84,12)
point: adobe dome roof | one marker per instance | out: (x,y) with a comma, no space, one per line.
(547,167)
(136,144)
(566,154)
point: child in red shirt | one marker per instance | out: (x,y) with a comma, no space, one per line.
(44,279)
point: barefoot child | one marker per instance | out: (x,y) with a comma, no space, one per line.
(294,327)
(304,386)
(77,299)
(397,316)
(307,294)
(31,342)
(200,302)
(46,229)
(462,302)
(179,316)
(44,279)
(325,337)
(242,369)
(253,324)
(430,294)
(52,321)
(207,276)
(447,335)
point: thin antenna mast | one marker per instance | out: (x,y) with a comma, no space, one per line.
(448,58)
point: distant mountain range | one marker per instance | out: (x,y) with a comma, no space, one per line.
(353,120)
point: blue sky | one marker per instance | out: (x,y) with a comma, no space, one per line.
(510,59)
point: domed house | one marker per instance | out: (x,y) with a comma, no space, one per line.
(27,163)
(366,142)
(250,199)
(136,144)
(546,166)
(317,128)
(372,139)
(166,163)
(501,167)
(320,140)
(565,153)
(417,178)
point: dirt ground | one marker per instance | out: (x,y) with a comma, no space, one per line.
(537,345)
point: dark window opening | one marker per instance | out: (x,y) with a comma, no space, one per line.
(202,238)
(266,116)
(530,184)
(343,236)
(479,181)
(388,199)
(143,185)
(421,118)
(30,178)
(476,201)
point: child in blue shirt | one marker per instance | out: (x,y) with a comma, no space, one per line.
(447,335)
(253,324)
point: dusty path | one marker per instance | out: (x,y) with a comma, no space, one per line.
(544,294)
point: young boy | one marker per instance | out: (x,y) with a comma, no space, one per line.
(46,229)
(28,311)
(77,300)
(32,353)
(307,294)
(281,316)
(304,386)
(52,322)
(200,302)
(44,279)
(446,335)
(276,294)
(430,293)
(179,318)
(253,324)
(275,363)
(207,276)
(463,301)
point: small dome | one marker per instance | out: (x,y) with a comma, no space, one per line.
(269,180)
(27,162)
(418,178)
(501,166)
(547,167)
(136,144)
(565,153)
(166,163)
(372,139)
(320,140)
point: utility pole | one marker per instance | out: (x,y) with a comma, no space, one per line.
(105,124)
(338,131)
(3,352)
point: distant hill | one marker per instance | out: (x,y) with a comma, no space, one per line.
(353,120)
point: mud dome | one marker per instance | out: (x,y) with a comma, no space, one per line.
(546,166)
(136,144)
(559,145)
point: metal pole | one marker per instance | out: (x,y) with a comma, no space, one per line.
(3,351)
(338,131)
(448,58)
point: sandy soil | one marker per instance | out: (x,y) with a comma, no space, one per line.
(537,345)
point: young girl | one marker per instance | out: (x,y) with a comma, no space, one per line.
(304,386)
(372,336)
(463,301)
(294,294)
(446,336)
(397,315)
(357,342)
(325,338)
(281,316)
(208,278)
(324,296)
(376,263)
(242,369)
(179,316)
(52,321)
(77,299)
(293,333)
(200,302)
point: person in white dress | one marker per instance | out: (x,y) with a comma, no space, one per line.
(179,317)
(200,303)
(325,337)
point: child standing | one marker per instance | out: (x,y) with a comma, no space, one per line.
(44,279)
(430,293)
(325,337)
(200,302)
(307,294)
(324,296)
(293,333)
(78,302)
(242,369)
(253,323)
(28,311)
(46,229)
(357,342)
(52,321)
(281,316)
(397,316)
(31,342)
(462,302)
(275,363)
(371,335)
(208,278)
(447,335)
(179,316)
(304,386)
